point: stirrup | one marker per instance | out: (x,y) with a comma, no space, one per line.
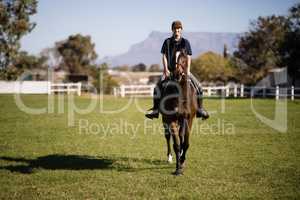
(154,114)
(151,109)
(201,113)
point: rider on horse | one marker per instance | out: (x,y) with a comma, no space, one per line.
(170,47)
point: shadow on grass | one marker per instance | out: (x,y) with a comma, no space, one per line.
(79,162)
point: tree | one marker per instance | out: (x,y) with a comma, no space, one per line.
(260,48)
(53,57)
(154,68)
(23,62)
(225,51)
(14,24)
(103,81)
(77,53)
(290,49)
(141,67)
(272,41)
(26,61)
(212,67)
(123,68)
(245,74)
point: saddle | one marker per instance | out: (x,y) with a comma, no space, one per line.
(167,81)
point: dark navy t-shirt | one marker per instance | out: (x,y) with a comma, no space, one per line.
(170,46)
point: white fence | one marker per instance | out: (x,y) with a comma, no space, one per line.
(38,87)
(135,90)
(46,87)
(65,87)
(235,91)
(24,87)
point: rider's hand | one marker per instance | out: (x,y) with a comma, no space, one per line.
(166,73)
(188,73)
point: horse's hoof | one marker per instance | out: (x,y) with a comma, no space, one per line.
(182,164)
(178,172)
(170,159)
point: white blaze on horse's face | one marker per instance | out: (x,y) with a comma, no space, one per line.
(177,55)
(180,66)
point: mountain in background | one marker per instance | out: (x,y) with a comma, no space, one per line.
(148,51)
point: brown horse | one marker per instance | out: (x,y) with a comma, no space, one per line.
(178,108)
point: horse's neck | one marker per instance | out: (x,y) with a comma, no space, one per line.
(185,90)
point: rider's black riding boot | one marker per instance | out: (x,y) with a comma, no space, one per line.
(155,110)
(156,101)
(201,112)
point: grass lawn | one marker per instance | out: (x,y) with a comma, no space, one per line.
(64,154)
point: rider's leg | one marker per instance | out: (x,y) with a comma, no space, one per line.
(201,112)
(156,100)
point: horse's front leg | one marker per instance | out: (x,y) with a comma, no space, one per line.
(181,135)
(176,146)
(168,137)
(186,143)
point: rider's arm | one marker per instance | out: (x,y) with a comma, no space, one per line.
(189,53)
(165,64)
(189,64)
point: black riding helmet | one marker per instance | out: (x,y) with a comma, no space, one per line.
(176,24)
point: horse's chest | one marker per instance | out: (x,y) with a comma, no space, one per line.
(183,109)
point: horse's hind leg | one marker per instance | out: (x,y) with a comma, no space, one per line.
(168,137)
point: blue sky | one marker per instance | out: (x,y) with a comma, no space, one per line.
(115,25)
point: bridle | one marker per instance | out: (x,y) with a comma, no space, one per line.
(181,65)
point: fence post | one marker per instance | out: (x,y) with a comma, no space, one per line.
(293,93)
(115,91)
(152,90)
(242,90)
(122,87)
(79,89)
(235,91)
(277,92)
(49,87)
(209,91)
(227,91)
(68,88)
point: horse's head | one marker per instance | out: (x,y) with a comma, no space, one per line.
(180,73)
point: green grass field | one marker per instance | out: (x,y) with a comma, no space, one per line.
(233,155)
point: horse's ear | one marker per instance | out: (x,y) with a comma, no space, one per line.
(184,52)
